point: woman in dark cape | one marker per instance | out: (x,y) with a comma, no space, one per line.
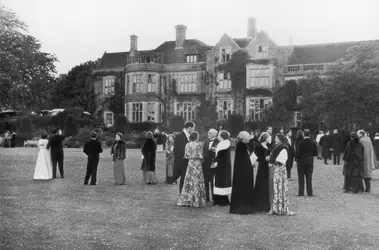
(353,158)
(261,191)
(223,171)
(243,178)
(148,162)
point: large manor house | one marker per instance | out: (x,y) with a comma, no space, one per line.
(175,77)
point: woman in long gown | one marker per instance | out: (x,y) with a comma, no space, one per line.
(353,166)
(148,150)
(243,178)
(44,166)
(193,192)
(223,171)
(261,191)
(118,152)
(169,148)
(277,161)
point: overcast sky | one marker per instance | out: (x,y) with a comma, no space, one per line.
(80,30)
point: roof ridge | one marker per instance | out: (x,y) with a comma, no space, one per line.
(333,43)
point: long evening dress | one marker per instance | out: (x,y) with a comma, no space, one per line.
(193,192)
(243,181)
(44,168)
(261,191)
(148,163)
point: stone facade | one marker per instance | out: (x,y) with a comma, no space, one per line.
(173,78)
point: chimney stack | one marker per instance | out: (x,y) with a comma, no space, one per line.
(180,35)
(133,44)
(251,29)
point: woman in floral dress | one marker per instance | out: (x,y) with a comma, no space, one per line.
(193,193)
(277,161)
(169,159)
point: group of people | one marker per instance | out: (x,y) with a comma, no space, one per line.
(51,154)
(204,169)
(9,139)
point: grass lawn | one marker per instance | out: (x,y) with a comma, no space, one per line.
(65,214)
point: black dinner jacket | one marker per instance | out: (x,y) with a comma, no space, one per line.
(209,155)
(291,148)
(55,143)
(92,147)
(307,149)
(181,141)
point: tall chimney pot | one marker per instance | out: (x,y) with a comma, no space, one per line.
(133,43)
(251,29)
(180,35)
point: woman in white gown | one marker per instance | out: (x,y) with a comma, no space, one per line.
(44,169)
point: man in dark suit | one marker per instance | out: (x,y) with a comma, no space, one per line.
(291,152)
(307,150)
(92,149)
(337,145)
(56,151)
(209,150)
(180,163)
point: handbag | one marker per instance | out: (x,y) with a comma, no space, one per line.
(213,164)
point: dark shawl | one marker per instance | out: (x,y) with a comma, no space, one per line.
(275,151)
(118,150)
(243,181)
(223,171)
(149,153)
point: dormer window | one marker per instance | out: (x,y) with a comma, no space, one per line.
(262,50)
(226,54)
(192,58)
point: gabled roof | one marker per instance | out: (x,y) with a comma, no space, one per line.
(172,55)
(320,53)
(243,42)
(112,60)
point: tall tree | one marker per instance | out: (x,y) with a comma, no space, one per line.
(76,88)
(26,73)
(347,95)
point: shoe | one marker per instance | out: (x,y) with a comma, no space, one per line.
(310,195)
(93,184)
(299,195)
(289,179)
(85,183)
(291,214)
(62,177)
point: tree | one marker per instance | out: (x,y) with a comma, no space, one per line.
(121,123)
(26,73)
(25,124)
(235,124)
(176,123)
(347,96)
(76,88)
(70,126)
(236,67)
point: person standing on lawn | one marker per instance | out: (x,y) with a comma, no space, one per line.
(209,150)
(180,163)
(92,149)
(56,151)
(307,150)
(118,152)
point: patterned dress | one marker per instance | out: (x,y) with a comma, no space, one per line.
(193,193)
(280,202)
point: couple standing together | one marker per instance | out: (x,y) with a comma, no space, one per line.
(49,156)
(192,163)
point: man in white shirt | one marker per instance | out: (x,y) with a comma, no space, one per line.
(209,154)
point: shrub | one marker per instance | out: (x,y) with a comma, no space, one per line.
(131,144)
(72,142)
(141,126)
(109,142)
(120,123)
(70,126)
(25,124)
(235,124)
(84,134)
(176,123)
